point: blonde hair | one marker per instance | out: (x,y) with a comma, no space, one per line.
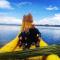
(27,21)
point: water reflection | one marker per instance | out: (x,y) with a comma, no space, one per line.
(50,34)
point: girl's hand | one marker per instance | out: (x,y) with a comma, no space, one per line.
(20,38)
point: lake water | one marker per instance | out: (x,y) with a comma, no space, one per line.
(49,34)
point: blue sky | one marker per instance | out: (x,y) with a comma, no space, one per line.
(43,11)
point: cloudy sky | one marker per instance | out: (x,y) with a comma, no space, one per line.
(43,11)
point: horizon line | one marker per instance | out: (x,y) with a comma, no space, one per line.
(34,24)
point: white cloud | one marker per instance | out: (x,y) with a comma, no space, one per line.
(10,20)
(52,20)
(52,8)
(5,4)
(24,3)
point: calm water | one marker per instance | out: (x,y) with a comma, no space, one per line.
(49,34)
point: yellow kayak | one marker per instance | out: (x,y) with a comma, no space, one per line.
(12,45)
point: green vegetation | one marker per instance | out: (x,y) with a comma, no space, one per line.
(54,49)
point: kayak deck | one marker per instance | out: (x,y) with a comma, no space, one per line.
(44,51)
